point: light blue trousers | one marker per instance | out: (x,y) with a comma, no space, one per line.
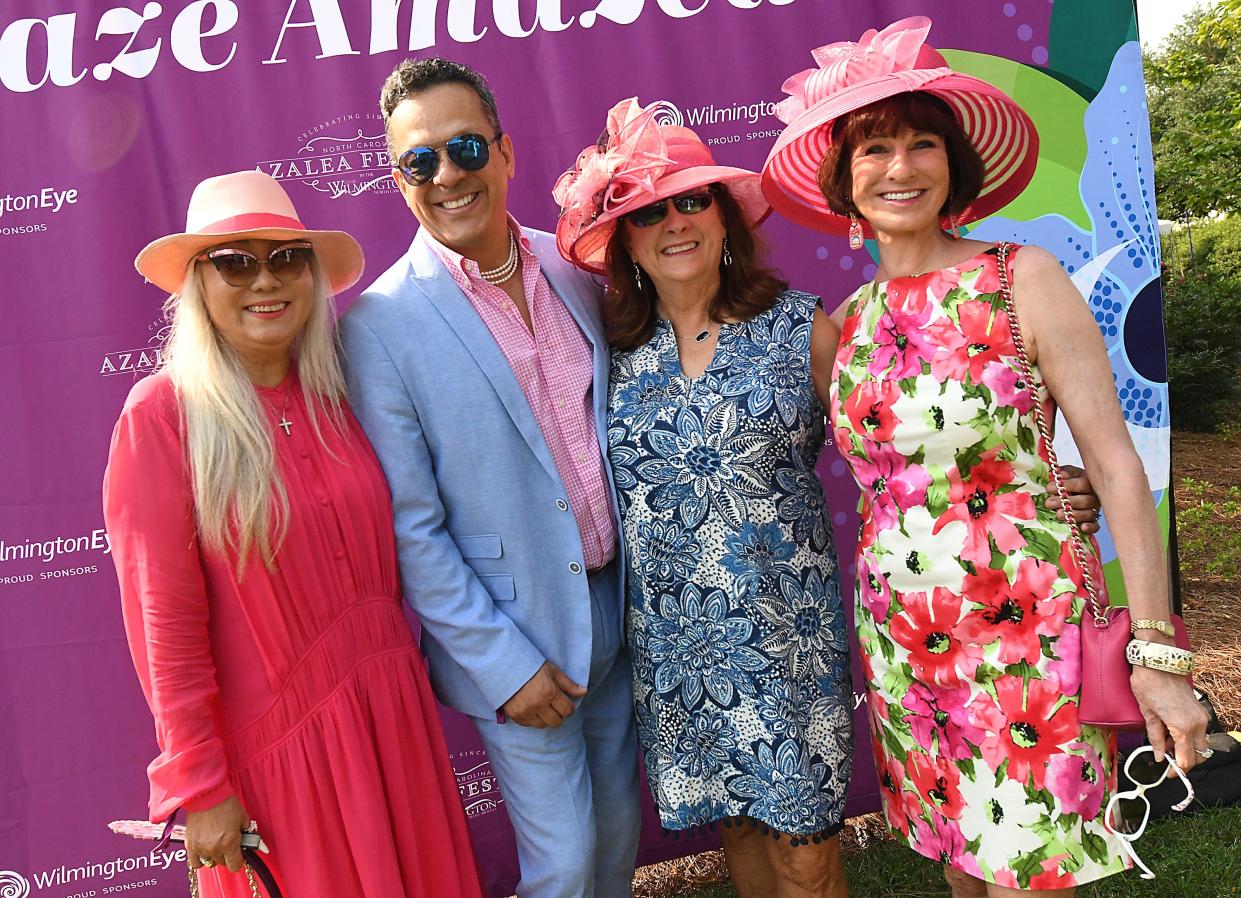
(572,792)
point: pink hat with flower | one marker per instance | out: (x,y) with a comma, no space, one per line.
(639,162)
(880,65)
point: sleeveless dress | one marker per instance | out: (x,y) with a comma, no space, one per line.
(968,600)
(297,688)
(735,619)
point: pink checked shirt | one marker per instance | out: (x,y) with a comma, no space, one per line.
(555,368)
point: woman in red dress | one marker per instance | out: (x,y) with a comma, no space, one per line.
(252,533)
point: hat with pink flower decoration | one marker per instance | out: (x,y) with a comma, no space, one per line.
(638,161)
(883,64)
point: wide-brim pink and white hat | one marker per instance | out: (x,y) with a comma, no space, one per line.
(882,64)
(245,205)
(640,162)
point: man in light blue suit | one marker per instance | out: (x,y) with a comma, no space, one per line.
(478,367)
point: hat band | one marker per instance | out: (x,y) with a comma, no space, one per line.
(252,221)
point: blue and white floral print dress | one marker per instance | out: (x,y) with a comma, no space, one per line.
(735,620)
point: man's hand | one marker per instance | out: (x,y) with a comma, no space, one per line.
(1082,499)
(546,699)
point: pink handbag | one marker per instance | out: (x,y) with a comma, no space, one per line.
(1107,699)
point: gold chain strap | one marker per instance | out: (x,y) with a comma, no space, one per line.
(1096,608)
(254,885)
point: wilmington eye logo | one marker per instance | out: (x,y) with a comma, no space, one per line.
(667,113)
(13,885)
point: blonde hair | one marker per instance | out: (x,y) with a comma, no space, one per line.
(240,501)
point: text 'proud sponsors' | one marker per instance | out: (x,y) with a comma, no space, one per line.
(94,879)
(53,556)
(37,52)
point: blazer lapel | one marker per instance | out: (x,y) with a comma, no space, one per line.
(584,306)
(442,291)
(585,309)
(561,278)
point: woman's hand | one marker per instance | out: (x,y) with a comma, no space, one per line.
(214,835)
(1175,723)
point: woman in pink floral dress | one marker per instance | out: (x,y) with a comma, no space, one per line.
(969,601)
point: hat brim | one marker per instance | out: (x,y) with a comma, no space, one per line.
(589,250)
(164,262)
(1000,130)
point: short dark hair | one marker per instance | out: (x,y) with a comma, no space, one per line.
(917,110)
(413,76)
(747,286)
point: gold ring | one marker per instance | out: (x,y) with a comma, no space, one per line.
(207,862)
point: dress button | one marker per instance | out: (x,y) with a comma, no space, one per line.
(574,567)
(323,500)
(340,553)
(305,454)
(562,504)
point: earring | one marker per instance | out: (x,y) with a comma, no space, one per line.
(855,232)
(728,257)
(637,275)
(952,223)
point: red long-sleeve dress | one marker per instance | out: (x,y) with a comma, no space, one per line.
(299,689)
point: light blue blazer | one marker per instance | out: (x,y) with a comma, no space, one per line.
(489,550)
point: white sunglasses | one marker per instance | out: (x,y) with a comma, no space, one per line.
(1138,793)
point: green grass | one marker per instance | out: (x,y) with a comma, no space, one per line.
(1195,856)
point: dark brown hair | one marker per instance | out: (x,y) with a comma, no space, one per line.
(917,110)
(413,76)
(747,286)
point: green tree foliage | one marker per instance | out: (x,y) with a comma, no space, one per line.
(1202,314)
(1194,94)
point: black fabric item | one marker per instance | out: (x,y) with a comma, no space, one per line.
(1216,780)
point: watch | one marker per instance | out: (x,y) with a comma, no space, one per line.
(1159,626)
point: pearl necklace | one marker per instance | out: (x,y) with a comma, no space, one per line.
(499,275)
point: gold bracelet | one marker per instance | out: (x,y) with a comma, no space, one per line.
(1157,656)
(1159,626)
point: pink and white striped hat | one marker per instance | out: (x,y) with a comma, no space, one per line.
(245,205)
(880,65)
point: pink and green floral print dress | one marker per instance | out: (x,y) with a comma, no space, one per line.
(968,601)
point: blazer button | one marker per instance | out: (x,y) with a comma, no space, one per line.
(562,504)
(574,567)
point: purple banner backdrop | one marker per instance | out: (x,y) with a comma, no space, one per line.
(110,114)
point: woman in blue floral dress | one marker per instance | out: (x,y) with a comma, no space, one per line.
(736,625)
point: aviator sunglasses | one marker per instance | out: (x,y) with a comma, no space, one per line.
(239,268)
(686,204)
(469,152)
